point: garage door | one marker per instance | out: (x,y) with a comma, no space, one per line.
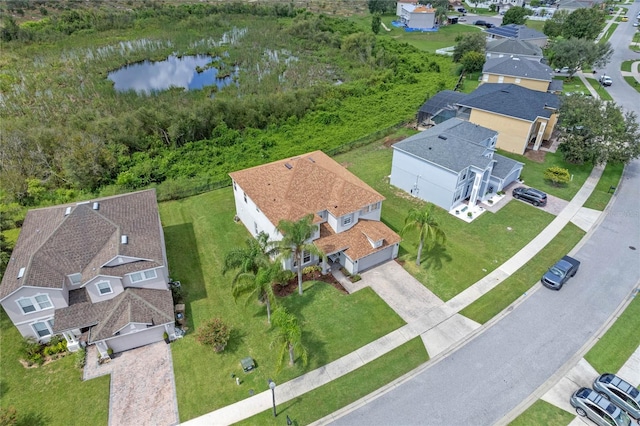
(375,259)
(135,340)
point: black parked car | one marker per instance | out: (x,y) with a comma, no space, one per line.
(480,22)
(559,273)
(530,195)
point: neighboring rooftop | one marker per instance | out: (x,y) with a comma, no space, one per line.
(517,67)
(445,99)
(512,46)
(454,144)
(512,100)
(292,188)
(514,31)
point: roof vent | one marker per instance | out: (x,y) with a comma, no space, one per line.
(124,239)
(21,272)
(443,137)
(312,160)
(96,206)
(67,211)
(288,166)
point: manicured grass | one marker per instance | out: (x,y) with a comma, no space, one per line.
(602,92)
(536,25)
(346,389)
(472,250)
(543,413)
(199,231)
(53,394)
(619,342)
(632,82)
(602,193)
(533,174)
(573,85)
(608,34)
(626,66)
(427,41)
(471,82)
(508,291)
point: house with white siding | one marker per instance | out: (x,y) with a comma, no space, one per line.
(94,272)
(345,209)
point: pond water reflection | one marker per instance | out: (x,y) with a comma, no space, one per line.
(148,77)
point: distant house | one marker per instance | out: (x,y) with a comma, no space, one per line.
(521,116)
(518,32)
(346,210)
(530,74)
(450,163)
(510,47)
(94,272)
(439,108)
(416,16)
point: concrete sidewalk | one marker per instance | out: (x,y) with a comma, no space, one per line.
(440,320)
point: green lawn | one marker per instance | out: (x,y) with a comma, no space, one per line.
(601,194)
(619,342)
(471,82)
(602,92)
(472,250)
(536,25)
(508,291)
(533,174)
(626,66)
(346,389)
(427,41)
(53,394)
(198,232)
(573,85)
(608,34)
(543,413)
(632,82)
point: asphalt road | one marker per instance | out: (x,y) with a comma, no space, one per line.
(486,378)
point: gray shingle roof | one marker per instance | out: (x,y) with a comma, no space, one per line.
(516,67)
(53,245)
(458,151)
(133,305)
(441,100)
(512,100)
(503,166)
(520,32)
(510,46)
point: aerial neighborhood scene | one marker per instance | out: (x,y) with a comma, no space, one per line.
(347,212)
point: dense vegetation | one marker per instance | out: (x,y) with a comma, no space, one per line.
(306,82)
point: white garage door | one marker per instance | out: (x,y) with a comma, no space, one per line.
(135,340)
(375,259)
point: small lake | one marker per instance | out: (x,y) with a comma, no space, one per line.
(148,77)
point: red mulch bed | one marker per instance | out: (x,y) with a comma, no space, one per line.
(292,285)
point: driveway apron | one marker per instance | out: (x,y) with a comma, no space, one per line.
(142,386)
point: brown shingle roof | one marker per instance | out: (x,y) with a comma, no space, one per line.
(53,245)
(133,305)
(292,188)
(355,239)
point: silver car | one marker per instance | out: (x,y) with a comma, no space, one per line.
(591,404)
(620,393)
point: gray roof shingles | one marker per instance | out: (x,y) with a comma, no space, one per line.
(458,151)
(510,46)
(517,67)
(520,32)
(503,166)
(512,100)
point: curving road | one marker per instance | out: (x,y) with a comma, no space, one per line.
(486,378)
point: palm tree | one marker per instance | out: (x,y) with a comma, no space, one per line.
(250,258)
(260,284)
(295,237)
(288,337)
(425,222)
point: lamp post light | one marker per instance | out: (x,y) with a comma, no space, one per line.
(272,386)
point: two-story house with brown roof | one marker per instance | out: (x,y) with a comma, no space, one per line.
(94,272)
(346,210)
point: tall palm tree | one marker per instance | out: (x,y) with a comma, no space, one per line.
(288,337)
(260,284)
(423,219)
(295,241)
(250,258)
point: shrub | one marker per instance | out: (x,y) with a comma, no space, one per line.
(81,358)
(469,214)
(356,278)
(557,175)
(214,332)
(311,269)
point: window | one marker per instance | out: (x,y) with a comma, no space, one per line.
(255,228)
(485,77)
(234,186)
(143,276)
(104,287)
(75,279)
(517,80)
(244,194)
(43,328)
(501,79)
(306,257)
(38,302)
(346,220)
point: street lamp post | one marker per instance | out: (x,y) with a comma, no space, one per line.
(272,386)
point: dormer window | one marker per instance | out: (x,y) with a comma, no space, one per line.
(143,276)
(75,279)
(347,220)
(104,287)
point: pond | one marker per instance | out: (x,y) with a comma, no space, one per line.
(148,77)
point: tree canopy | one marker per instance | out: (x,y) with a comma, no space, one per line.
(595,131)
(381,6)
(583,23)
(423,221)
(469,42)
(577,53)
(296,239)
(473,61)
(516,15)
(553,25)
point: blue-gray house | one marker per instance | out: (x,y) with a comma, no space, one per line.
(452,162)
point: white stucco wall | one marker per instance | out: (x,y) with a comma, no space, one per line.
(13,310)
(95,296)
(252,217)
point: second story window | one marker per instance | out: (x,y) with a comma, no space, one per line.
(104,287)
(244,194)
(347,220)
(143,276)
(38,302)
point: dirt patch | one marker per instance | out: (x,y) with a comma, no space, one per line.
(388,141)
(292,286)
(537,156)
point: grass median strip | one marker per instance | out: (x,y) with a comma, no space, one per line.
(602,193)
(619,342)
(348,388)
(507,292)
(543,413)
(632,82)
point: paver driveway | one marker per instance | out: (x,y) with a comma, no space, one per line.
(142,386)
